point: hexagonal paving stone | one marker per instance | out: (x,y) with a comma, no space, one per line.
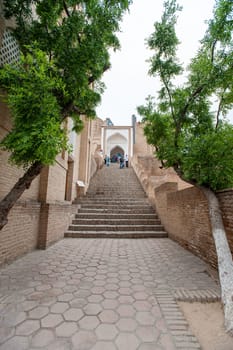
(145,318)
(73,314)
(106,331)
(66,329)
(141,296)
(54,292)
(126,310)
(27,327)
(84,340)
(111,294)
(16,343)
(27,305)
(43,287)
(95,298)
(89,322)
(142,305)
(78,302)
(11,319)
(108,316)
(65,297)
(59,307)
(125,291)
(43,338)
(51,320)
(127,324)
(92,309)
(82,293)
(98,290)
(111,286)
(126,299)
(104,345)
(127,341)
(113,280)
(99,283)
(147,334)
(110,304)
(38,312)
(150,346)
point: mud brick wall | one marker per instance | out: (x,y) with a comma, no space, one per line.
(54,221)
(20,235)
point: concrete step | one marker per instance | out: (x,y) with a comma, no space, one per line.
(116,234)
(125,227)
(122,216)
(110,200)
(116,194)
(115,206)
(116,221)
(117,210)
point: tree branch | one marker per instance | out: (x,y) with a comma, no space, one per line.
(21,185)
(66,9)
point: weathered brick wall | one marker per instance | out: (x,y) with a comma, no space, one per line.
(20,235)
(186,220)
(54,220)
(184,211)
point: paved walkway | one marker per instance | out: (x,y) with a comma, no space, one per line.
(101,294)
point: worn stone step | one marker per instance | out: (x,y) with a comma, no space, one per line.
(126,227)
(110,200)
(114,206)
(117,210)
(93,216)
(117,195)
(116,234)
(116,221)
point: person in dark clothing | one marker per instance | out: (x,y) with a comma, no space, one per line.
(122,163)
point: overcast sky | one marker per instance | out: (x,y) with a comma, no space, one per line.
(127,82)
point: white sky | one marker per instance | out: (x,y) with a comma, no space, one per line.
(127,82)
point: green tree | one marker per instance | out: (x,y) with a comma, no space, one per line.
(64,52)
(182,125)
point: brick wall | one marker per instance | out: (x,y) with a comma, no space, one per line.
(20,235)
(184,211)
(185,216)
(54,220)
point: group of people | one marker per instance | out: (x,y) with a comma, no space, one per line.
(123,161)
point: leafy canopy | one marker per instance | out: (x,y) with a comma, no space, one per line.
(65,51)
(181,123)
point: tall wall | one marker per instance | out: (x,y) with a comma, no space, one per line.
(44,211)
(183,209)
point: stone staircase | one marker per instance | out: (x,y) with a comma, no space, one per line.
(115,206)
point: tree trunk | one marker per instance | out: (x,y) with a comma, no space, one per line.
(225,263)
(21,185)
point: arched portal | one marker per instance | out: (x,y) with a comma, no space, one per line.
(115,153)
(117,139)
